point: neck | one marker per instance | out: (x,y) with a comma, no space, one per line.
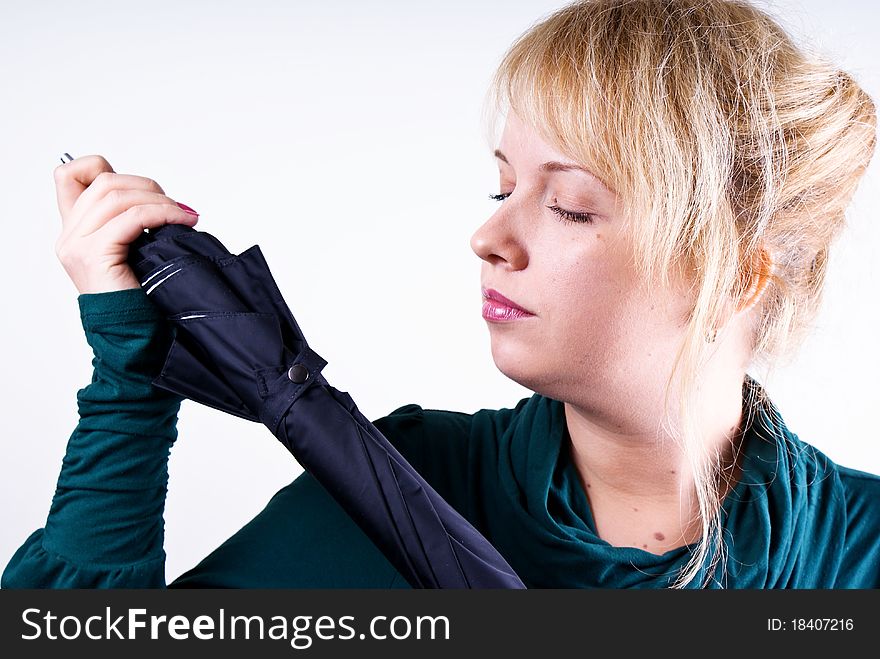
(638,480)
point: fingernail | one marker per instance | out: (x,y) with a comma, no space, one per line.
(187,209)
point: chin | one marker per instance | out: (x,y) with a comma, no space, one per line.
(541,371)
(521,365)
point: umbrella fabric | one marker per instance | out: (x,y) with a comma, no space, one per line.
(238,348)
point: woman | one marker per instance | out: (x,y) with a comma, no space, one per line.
(672,175)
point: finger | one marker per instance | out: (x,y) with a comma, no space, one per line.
(110,182)
(128,226)
(73,177)
(118,201)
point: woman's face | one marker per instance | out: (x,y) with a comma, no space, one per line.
(594,340)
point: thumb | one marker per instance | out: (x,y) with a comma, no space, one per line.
(73,177)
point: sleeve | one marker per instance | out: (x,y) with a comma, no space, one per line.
(304,539)
(301,539)
(437,444)
(860,567)
(105,526)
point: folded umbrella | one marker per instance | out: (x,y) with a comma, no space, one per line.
(238,348)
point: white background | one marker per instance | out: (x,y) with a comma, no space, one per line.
(344,138)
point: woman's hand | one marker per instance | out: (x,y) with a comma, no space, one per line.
(102,212)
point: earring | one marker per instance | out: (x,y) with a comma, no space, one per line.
(711,336)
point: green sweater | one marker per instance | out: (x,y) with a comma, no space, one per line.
(795,519)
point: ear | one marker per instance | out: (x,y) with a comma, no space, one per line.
(761,274)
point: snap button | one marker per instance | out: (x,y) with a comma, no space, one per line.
(298,373)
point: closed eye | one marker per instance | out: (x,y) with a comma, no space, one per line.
(571,216)
(563,215)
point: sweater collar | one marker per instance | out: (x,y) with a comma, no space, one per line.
(778,521)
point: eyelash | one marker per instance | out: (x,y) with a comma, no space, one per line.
(564,215)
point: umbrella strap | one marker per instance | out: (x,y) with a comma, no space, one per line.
(281,391)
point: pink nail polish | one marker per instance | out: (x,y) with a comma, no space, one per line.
(187,209)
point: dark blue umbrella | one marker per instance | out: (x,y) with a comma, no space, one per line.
(238,348)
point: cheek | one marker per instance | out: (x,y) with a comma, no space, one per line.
(591,329)
(590,289)
(601,314)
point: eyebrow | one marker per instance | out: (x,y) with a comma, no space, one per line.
(555,166)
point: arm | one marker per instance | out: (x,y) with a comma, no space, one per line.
(303,538)
(105,526)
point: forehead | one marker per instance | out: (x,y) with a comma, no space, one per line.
(527,148)
(522,139)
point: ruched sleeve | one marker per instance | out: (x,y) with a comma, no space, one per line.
(105,526)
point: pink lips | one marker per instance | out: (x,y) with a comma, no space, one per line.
(496,307)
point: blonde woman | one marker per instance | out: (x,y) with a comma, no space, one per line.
(672,177)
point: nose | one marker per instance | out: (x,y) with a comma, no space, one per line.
(497,242)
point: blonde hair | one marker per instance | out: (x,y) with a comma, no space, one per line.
(731,150)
